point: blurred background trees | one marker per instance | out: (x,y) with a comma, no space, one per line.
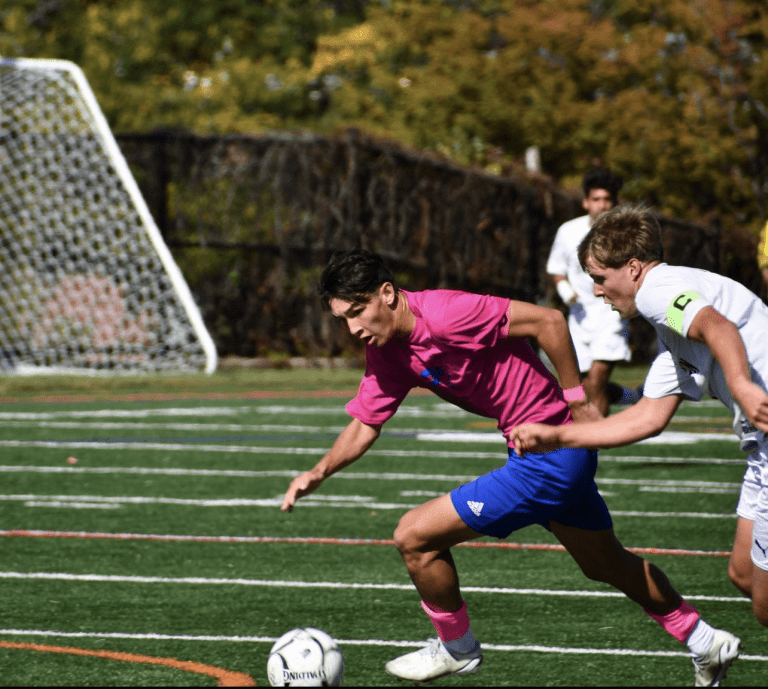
(673,94)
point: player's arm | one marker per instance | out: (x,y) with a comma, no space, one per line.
(646,419)
(565,289)
(550,330)
(352,443)
(724,341)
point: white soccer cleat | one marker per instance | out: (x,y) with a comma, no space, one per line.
(433,661)
(711,668)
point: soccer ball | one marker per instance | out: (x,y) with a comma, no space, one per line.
(305,657)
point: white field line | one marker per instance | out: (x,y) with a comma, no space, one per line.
(667,437)
(72,505)
(291,473)
(312,540)
(438,411)
(435,410)
(713,491)
(120,425)
(81,501)
(232,449)
(337,501)
(355,642)
(251,449)
(124,413)
(269,583)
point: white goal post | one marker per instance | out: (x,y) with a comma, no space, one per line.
(87,283)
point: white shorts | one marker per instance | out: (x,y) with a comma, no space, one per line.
(753,503)
(609,343)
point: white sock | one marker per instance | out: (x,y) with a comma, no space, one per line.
(464,644)
(701,638)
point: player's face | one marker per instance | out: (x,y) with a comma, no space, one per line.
(597,201)
(374,322)
(616,286)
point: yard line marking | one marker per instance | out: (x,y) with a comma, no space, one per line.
(291,473)
(327,501)
(666,437)
(357,642)
(77,500)
(123,413)
(225,678)
(270,583)
(671,489)
(90,535)
(71,505)
(127,444)
(415,433)
(673,460)
(143,446)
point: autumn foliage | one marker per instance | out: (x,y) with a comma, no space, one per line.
(673,94)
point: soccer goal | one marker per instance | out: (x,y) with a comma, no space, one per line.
(87,283)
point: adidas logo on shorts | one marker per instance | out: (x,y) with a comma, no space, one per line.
(476,507)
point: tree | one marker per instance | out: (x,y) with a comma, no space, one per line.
(673,94)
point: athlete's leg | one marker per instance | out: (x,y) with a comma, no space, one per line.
(596,384)
(740,566)
(601,557)
(760,562)
(760,595)
(424,537)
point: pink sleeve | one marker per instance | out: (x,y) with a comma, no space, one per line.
(380,394)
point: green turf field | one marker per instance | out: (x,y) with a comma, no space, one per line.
(165,542)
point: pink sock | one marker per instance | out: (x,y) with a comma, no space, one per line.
(679,623)
(449,625)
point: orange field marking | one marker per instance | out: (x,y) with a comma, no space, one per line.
(225,677)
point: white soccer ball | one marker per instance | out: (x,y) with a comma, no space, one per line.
(305,657)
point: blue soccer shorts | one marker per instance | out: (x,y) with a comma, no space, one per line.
(533,489)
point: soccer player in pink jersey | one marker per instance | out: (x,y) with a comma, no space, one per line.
(472,350)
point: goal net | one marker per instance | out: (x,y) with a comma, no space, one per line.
(86,281)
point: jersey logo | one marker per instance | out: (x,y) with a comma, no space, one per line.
(436,376)
(676,308)
(764,550)
(476,507)
(687,366)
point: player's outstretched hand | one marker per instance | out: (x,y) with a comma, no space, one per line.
(300,486)
(754,403)
(535,437)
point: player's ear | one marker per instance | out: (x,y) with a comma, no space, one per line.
(387,293)
(635,268)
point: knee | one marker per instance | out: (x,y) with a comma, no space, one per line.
(405,537)
(740,578)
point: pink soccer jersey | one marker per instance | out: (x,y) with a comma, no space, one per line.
(461,351)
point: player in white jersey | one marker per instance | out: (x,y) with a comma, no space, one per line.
(600,336)
(712,335)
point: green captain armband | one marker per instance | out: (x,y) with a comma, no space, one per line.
(677,307)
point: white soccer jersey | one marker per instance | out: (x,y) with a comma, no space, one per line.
(564,260)
(669,298)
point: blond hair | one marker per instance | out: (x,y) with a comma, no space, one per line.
(623,233)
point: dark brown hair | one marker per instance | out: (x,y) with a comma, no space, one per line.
(353,276)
